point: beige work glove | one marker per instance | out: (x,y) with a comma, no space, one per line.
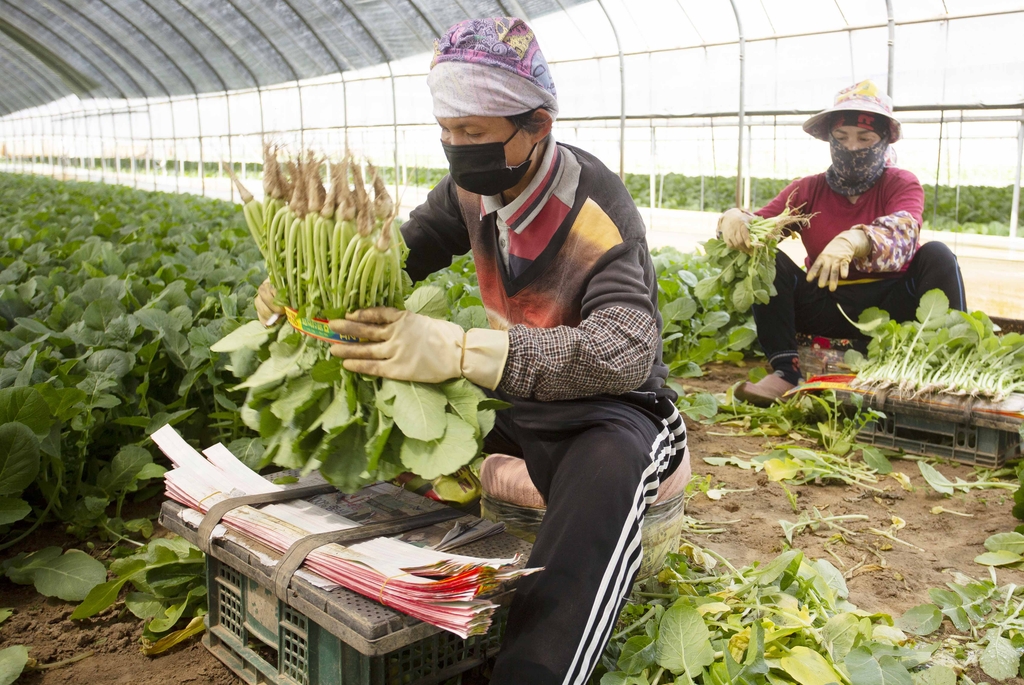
(267,311)
(732,228)
(834,261)
(406,346)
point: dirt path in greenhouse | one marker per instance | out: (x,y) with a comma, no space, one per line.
(882,575)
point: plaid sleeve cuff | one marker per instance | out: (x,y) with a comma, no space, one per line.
(893,241)
(610,352)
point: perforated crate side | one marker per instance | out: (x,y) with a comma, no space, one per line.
(981,446)
(305,653)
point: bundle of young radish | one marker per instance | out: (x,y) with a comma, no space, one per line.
(748,277)
(944,351)
(329,252)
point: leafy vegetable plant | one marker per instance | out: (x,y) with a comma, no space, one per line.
(109,301)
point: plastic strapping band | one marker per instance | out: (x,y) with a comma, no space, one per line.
(297,553)
(220,509)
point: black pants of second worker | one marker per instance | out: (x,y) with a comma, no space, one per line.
(805,308)
(597,462)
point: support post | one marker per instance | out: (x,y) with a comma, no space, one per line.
(1015,207)
(892,47)
(653,184)
(740,113)
(622,93)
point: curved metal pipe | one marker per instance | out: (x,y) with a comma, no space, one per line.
(138,29)
(238,58)
(388,57)
(284,60)
(741,113)
(44,78)
(622,93)
(892,46)
(115,86)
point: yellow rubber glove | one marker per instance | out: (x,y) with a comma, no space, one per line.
(266,309)
(834,261)
(406,346)
(732,229)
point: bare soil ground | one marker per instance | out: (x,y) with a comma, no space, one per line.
(882,575)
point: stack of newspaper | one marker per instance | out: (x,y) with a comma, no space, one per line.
(440,588)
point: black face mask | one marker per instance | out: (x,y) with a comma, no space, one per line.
(482,168)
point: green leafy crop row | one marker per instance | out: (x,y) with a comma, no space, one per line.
(109,301)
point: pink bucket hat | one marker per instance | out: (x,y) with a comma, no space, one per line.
(862,97)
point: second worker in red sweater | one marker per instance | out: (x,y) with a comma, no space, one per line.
(863,240)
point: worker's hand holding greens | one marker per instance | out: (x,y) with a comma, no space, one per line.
(733,229)
(406,346)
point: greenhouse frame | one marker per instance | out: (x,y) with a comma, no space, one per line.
(149,93)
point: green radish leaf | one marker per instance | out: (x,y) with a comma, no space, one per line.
(123,470)
(70,577)
(143,604)
(5,614)
(840,634)
(19,458)
(13,510)
(703,405)
(874,458)
(934,675)
(344,458)
(105,594)
(936,480)
(807,667)
(447,454)
(923,619)
(250,336)
(12,663)
(684,645)
(472,317)
(1000,557)
(429,301)
(742,338)
(493,403)
(638,654)
(464,398)
(999,660)
(419,410)
(933,307)
(26,406)
(1009,542)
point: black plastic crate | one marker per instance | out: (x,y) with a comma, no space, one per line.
(263,640)
(333,637)
(932,437)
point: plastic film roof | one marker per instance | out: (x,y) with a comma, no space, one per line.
(126,49)
(680,55)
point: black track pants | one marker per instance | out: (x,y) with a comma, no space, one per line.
(598,464)
(804,307)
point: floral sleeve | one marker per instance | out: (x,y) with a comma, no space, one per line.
(893,239)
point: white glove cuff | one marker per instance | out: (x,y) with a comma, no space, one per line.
(484,353)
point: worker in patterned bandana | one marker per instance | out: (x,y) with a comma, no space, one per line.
(574,344)
(863,241)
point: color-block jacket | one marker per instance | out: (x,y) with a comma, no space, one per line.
(582,311)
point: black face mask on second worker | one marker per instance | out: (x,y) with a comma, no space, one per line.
(482,168)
